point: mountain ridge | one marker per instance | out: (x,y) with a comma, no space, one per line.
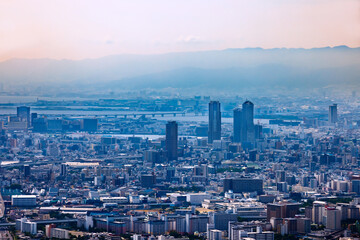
(169,53)
(211,69)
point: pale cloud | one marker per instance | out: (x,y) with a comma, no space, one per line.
(189,39)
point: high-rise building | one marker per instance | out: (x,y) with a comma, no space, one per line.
(317,213)
(258,131)
(303,225)
(54,125)
(170,173)
(333,118)
(171,141)
(26,170)
(216,234)
(240,185)
(152,156)
(237,125)
(23,113)
(333,218)
(33,116)
(282,210)
(148,180)
(214,132)
(39,125)
(244,128)
(280,176)
(89,124)
(63,169)
(248,128)
(355,186)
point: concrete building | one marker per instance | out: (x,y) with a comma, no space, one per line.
(23,200)
(197,198)
(282,210)
(240,185)
(216,234)
(26,226)
(60,233)
(333,219)
(303,225)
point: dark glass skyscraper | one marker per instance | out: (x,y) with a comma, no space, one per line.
(333,118)
(89,124)
(214,121)
(237,124)
(23,113)
(171,141)
(248,119)
(244,129)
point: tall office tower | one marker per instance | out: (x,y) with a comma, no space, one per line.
(170,173)
(333,118)
(214,121)
(23,113)
(248,128)
(63,169)
(244,128)
(89,124)
(280,176)
(258,131)
(171,141)
(33,117)
(26,170)
(237,124)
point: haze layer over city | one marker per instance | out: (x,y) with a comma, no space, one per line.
(180,120)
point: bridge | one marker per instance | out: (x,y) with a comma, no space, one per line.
(50,221)
(107,114)
(148,114)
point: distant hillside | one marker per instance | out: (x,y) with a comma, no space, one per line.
(226,69)
(270,76)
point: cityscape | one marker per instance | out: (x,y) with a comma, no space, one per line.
(180,120)
(189,170)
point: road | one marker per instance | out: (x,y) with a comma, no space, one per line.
(2,207)
(5,235)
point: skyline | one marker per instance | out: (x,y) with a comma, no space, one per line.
(179,119)
(62,32)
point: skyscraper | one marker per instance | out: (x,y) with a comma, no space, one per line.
(89,124)
(333,118)
(63,169)
(26,170)
(214,121)
(33,117)
(258,131)
(248,119)
(244,129)
(237,124)
(171,141)
(23,113)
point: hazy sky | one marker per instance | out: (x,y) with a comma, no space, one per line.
(78,29)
